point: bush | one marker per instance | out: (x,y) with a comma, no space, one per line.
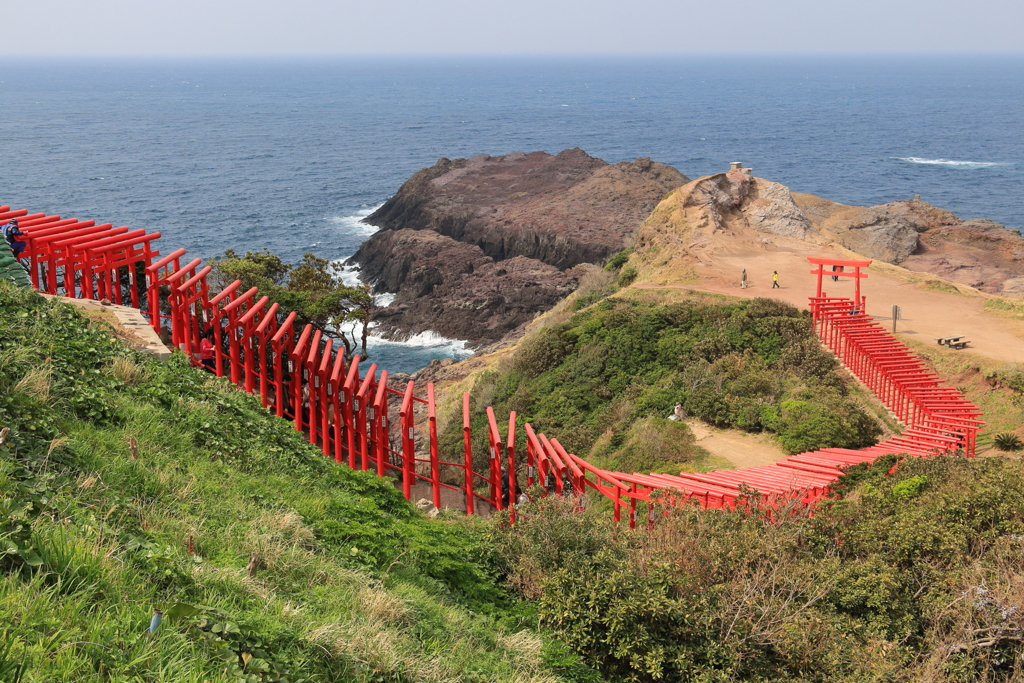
(653,443)
(618,260)
(754,365)
(627,276)
(913,574)
(1007,442)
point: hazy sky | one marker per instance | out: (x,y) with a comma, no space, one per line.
(322,27)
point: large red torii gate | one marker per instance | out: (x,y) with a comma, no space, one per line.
(857,276)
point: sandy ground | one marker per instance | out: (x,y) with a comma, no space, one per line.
(739,448)
(926,314)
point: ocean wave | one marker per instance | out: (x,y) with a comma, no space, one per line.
(950,162)
(454,348)
(349,275)
(384,300)
(353,224)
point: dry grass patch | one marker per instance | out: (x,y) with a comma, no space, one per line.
(37,383)
(127,370)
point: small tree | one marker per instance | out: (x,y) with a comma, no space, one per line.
(313,290)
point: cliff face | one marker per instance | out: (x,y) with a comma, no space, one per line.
(475,247)
(563,210)
(453,289)
(924,238)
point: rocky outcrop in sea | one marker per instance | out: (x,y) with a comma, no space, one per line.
(473,248)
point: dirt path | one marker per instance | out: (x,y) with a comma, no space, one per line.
(926,314)
(739,448)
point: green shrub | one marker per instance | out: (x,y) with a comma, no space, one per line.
(618,260)
(1007,442)
(754,365)
(913,574)
(653,443)
(627,276)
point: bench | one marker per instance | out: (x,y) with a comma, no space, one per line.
(959,344)
(950,340)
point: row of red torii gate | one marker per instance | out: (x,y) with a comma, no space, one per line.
(348,412)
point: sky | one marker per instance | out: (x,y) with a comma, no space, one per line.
(539,27)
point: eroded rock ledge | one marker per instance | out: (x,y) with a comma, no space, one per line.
(473,248)
(923,238)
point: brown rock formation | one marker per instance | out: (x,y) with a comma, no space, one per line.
(453,289)
(727,213)
(475,247)
(760,204)
(888,232)
(563,210)
(923,238)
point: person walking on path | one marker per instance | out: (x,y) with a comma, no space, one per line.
(775,280)
(743,279)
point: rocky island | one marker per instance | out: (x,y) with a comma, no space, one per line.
(474,248)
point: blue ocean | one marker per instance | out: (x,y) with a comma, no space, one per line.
(291,154)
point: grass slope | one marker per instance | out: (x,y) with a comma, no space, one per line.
(604,381)
(129,485)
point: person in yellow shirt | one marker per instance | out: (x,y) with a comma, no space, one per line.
(775,280)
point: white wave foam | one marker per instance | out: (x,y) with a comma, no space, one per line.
(349,275)
(949,162)
(456,348)
(354,224)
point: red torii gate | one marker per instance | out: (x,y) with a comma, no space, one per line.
(857,276)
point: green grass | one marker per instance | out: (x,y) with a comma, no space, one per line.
(996,388)
(269,562)
(604,380)
(1006,307)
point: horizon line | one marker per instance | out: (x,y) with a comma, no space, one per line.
(520,55)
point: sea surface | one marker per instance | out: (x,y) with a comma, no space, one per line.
(291,154)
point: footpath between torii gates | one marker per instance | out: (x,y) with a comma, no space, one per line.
(354,417)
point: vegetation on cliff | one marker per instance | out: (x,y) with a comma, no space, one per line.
(128,485)
(914,574)
(313,290)
(604,381)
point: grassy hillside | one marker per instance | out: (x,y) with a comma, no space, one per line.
(129,486)
(605,380)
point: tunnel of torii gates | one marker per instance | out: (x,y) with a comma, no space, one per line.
(300,375)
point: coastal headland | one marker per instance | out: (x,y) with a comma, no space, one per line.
(475,248)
